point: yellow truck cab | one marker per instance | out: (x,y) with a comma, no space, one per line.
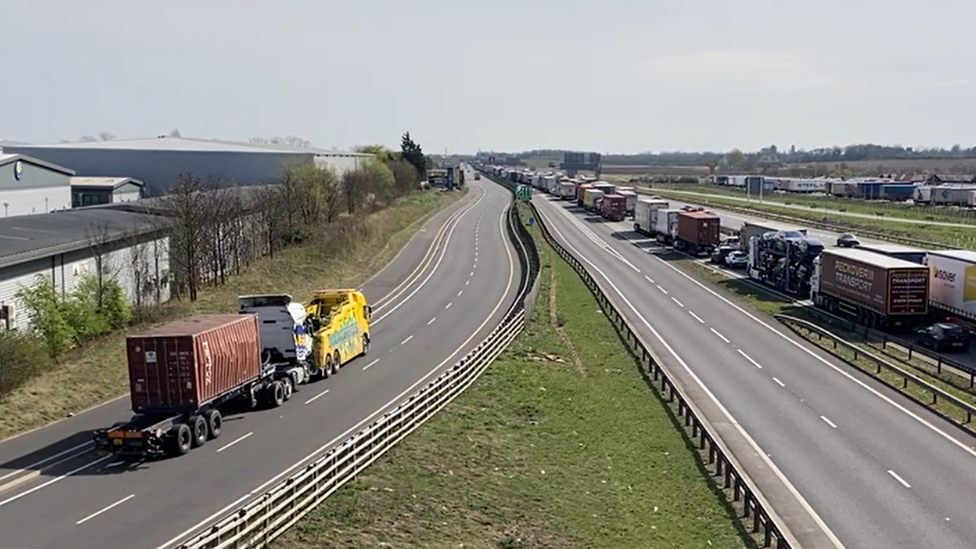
(339,322)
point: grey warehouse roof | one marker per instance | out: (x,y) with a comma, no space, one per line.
(11,158)
(30,237)
(108,182)
(187,144)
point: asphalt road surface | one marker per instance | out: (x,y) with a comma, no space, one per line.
(460,293)
(846,461)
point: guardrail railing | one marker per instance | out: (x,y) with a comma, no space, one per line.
(257,523)
(881,364)
(755,508)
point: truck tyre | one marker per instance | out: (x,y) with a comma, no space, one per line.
(327,370)
(198,427)
(182,440)
(365,344)
(314,372)
(288,386)
(215,423)
(276,394)
(336,362)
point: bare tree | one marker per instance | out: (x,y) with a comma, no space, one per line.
(175,132)
(106,136)
(189,235)
(87,138)
(354,186)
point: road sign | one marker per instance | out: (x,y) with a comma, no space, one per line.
(531,221)
(523,192)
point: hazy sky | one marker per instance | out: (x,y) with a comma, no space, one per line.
(607,76)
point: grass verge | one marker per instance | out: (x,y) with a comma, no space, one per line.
(771,304)
(559,444)
(96,373)
(950,236)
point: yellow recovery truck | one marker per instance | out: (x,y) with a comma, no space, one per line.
(319,337)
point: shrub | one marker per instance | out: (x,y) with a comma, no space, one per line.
(22,356)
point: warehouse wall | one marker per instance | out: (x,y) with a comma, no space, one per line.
(39,190)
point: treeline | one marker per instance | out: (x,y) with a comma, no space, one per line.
(201,233)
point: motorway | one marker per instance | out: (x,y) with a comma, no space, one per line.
(846,461)
(459,283)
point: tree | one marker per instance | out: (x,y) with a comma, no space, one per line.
(87,139)
(46,315)
(735,158)
(354,185)
(175,132)
(412,153)
(106,136)
(290,141)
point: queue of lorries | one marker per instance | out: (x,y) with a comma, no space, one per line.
(183,375)
(888,287)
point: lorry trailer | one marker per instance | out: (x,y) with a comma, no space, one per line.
(182,374)
(614,207)
(698,232)
(567,190)
(664,223)
(879,291)
(643,224)
(952,275)
(631,197)
(783,260)
(907,253)
(581,193)
(592,198)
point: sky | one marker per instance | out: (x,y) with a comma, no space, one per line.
(609,76)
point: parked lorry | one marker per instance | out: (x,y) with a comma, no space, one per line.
(758,228)
(614,207)
(783,260)
(567,190)
(592,198)
(953,283)
(581,192)
(643,224)
(183,374)
(607,188)
(879,291)
(665,224)
(631,197)
(698,232)
(907,253)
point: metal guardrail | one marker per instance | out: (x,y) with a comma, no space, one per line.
(882,364)
(257,523)
(755,507)
(831,227)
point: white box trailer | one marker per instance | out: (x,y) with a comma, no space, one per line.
(643,223)
(666,224)
(631,197)
(567,190)
(922,194)
(805,185)
(952,282)
(550,183)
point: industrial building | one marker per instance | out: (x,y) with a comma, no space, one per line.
(90,191)
(132,248)
(32,186)
(157,162)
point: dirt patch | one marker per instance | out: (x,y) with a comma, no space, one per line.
(557,325)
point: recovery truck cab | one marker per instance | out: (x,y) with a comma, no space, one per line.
(339,323)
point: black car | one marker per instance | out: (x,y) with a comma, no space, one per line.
(944,336)
(847,240)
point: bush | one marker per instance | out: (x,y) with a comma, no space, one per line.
(22,356)
(47,315)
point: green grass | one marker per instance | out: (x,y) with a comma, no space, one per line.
(772,304)
(950,236)
(560,444)
(96,373)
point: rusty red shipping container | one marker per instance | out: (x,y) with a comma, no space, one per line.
(699,228)
(183,365)
(580,189)
(614,207)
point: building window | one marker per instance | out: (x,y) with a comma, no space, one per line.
(6,317)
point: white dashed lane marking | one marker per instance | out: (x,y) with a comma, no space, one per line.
(404,342)
(720,336)
(828,422)
(696,317)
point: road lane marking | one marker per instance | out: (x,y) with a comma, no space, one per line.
(466,282)
(114,505)
(448,306)
(501,301)
(55,479)
(370,365)
(663,290)
(431,321)
(720,336)
(459,293)
(404,342)
(649,279)
(698,318)
(37,464)
(678,302)
(316,397)
(228,445)
(831,423)
(471,273)
(752,442)
(899,479)
(749,358)
(778,382)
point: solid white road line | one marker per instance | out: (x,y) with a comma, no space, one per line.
(749,358)
(316,397)
(367,419)
(828,422)
(720,336)
(759,451)
(228,445)
(899,479)
(74,450)
(114,505)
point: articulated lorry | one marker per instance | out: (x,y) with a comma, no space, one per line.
(698,232)
(183,374)
(581,192)
(643,210)
(879,291)
(783,260)
(614,207)
(592,199)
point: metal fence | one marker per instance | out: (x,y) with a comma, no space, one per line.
(257,523)
(756,511)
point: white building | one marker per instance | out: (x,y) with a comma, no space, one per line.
(91,191)
(32,186)
(132,248)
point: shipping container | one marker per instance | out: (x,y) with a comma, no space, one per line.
(186,364)
(698,232)
(643,223)
(952,275)
(581,193)
(592,198)
(897,192)
(869,190)
(879,291)
(631,197)
(614,207)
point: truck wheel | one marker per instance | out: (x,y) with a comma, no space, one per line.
(214,423)
(327,370)
(276,394)
(336,363)
(314,372)
(198,426)
(182,440)
(286,384)
(365,344)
